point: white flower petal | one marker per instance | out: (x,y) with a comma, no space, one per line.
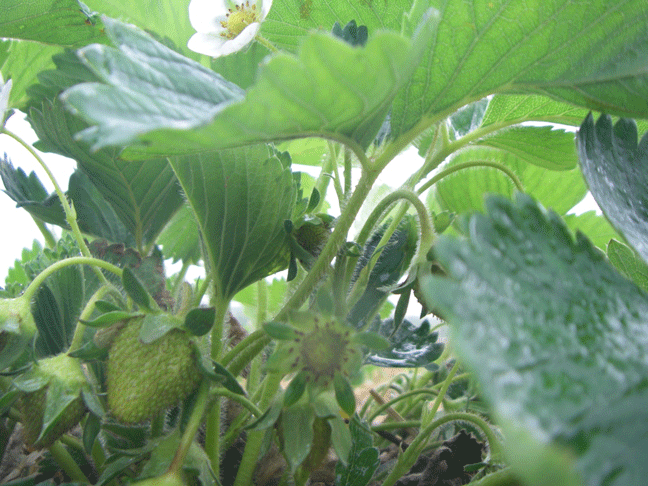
(240,41)
(205,15)
(265,8)
(5,91)
(206,43)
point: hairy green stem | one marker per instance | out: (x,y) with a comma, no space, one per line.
(441,395)
(466,165)
(265,42)
(85,315)
(224,392)
(503,477)
(67,463)
(70,213)
(30,291)
(407,459)
(254,440)
(396,425)
(385,406)
(50,241)
(212,432)
(189,434)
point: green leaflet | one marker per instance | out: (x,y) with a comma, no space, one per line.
(240,199)
(291,97)
(59,22)
(614,166)
(628,263)
(591,55)
(557,339)
(464,190)
(290,20)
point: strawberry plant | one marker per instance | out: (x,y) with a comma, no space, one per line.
(247,140)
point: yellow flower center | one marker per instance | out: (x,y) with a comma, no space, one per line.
(239,19)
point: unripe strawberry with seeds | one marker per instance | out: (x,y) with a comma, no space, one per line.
(144,379)
(52,403)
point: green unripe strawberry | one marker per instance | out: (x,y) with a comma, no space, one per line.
(144,379)
(53,409)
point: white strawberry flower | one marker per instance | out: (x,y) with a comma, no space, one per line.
(224,26)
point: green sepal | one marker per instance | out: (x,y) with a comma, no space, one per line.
(104,306)
(270,416)
(90,352)
(295,389)
(93,403)
(135,289)
(91,429)
(279,331)
(221,375)
(200,320)
(31,381)
(297,432)
(314,200)
(154,326)
(371,339)
(340,438)
(109,318)
(344,394)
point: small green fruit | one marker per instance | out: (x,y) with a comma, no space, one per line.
(58,401)
(144,379)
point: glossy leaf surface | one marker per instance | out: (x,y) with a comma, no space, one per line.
(555,336)
(410,346)
(614,165)
(131,106)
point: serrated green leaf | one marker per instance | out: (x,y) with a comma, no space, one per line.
(60,22)
(135,289)
(134,108)
(241,199)
(594,226)
(591,55)
(512,109)
(363,459)
(29,193)
(545,147)
(148,86)
(410,345)
(628,263)
(289,21)
(170,21)
(555,336)
(464,190)
(200,320)
(613,165)
(22,61)
(144,195)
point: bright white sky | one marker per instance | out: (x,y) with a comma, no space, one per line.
(20,231)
